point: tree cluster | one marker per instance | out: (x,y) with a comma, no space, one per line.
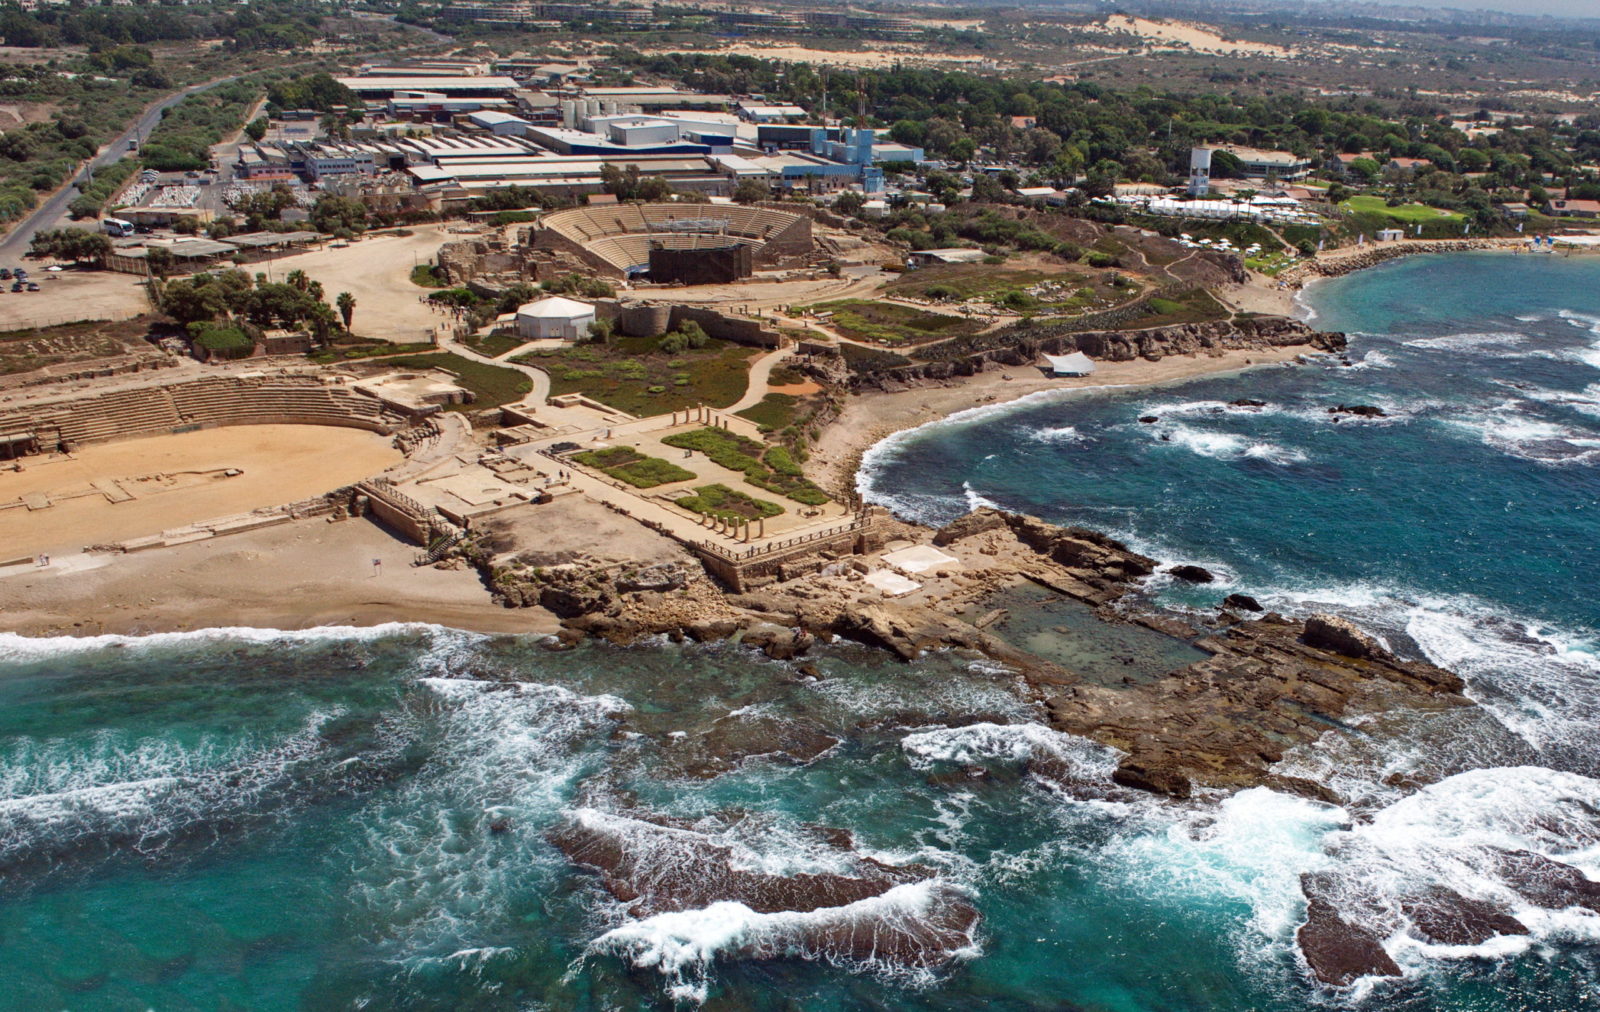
(76,244)
(232,296)
(319,91)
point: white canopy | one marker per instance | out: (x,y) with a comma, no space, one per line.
(557,308)
(1075,364)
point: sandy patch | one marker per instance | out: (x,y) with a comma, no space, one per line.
(1191,36)
(70,296)
(795,389)
(875,59)
(295,576)
(377,271)
(280,464)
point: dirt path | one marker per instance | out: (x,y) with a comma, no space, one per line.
(760,382)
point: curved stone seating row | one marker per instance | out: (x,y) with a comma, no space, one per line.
(621,234)
(154,410)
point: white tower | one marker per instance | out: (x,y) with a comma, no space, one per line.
(1199,172)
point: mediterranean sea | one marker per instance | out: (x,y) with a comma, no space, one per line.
(364,818)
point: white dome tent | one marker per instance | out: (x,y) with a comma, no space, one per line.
(566,319)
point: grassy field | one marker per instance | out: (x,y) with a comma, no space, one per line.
(887,323)
(624,463)
(770,467)
(967,281)
(491,385)
(773,412)
(367,349)
(728,504)
(494,345)
(1409,214)
(1193,306)
(634,375)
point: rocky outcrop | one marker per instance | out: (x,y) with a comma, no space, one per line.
(659,865)
(1224,721)
(1269,683)
(1022,345)
(1340,636)
(1338,951)
(1358,411)
(735,738)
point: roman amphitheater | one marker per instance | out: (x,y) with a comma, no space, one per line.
(692,244)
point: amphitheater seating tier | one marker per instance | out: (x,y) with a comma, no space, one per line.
(621,234)
(155,410)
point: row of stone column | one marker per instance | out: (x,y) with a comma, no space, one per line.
(743,530)
(701,414)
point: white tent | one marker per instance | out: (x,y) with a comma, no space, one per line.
(1075,364)
(554,317)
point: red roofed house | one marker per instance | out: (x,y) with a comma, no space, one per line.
(1565,208)
(1408,164)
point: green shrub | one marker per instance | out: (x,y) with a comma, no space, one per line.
(779,460)
(222,341)
(728,504)
(624,463)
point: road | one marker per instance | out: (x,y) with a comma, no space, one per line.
(50,214)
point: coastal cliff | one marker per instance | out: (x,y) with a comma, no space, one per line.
(1248,333)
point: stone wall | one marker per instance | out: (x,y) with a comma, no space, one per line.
(654,319)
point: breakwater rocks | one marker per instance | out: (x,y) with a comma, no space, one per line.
(1024,345)
(1371,256)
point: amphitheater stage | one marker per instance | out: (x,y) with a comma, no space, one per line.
(108,492)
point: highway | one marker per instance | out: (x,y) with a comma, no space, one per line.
(53,212)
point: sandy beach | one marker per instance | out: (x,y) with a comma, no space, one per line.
(871,417)
(296,576)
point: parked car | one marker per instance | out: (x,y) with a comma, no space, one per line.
(33,286)
(5,274)
(16,286)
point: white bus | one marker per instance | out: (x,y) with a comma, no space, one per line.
(116,227)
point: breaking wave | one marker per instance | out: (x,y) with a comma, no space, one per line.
(1228,446)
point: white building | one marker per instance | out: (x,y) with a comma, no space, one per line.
(501,123)
(566,319)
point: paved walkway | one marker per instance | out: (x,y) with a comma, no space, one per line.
(541,379)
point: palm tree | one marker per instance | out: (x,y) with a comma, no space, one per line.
(322,322)
(298,279)
(347,307)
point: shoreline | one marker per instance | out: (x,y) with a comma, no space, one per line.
(312,574)
(870,418)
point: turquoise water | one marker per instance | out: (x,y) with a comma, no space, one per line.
(360,818)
